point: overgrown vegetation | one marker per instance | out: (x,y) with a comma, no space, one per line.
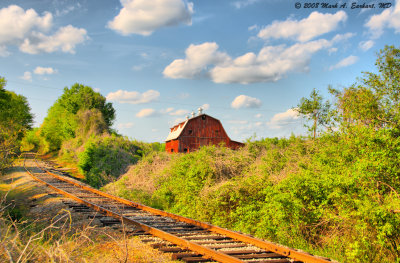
(332,195)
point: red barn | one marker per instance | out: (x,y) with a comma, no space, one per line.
(198,131)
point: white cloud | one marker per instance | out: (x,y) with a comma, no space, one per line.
(144,113)
(314,25)
(389,18)
(27,76)
(28,31)
(243,101)
(350,60)
(179,113)
(284,118)
(125,125)
(270,64)
(144,17)
(205,106)
(16,23)
(65,39)
(198,57)
(366,45)
(259,115)
(133,97)
(42,71)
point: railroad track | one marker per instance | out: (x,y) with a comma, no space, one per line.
(194,241)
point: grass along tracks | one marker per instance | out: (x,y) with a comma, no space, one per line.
(194,241)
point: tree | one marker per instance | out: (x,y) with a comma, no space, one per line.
(62,123)
(15,120)
(314,109)
(375,99)
(14,109)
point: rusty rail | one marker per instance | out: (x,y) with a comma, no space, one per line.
(207,252)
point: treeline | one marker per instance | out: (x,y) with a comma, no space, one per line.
(332,195)
(77,130)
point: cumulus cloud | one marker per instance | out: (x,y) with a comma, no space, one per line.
(144,113)
(389,18)
(144,17)
(29,31)
(243,101)
(198,57)
(284,118)
(65,39)
(27,76)
(133,97)
(43,71)
(270,64)
(350,60)
(314,25)
(366,45)
(16,23)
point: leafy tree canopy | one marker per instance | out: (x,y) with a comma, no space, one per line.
(14,109)
(62,122)
(15,120)
(375,99)
(315,109)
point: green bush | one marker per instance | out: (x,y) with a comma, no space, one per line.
(106,158)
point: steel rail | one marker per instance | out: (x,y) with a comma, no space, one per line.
(266,245)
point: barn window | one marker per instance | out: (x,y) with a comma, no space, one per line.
(185,150)
(190,132)
(216,132)
(172,150)
(203,117)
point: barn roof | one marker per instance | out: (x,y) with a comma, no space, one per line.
(176,130)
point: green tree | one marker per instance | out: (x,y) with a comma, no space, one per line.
(375,99)
(61,122)
(316,110)
(15,120)
(14,109)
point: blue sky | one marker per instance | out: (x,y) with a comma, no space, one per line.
(246,62)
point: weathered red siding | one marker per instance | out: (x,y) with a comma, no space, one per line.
(200,131)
